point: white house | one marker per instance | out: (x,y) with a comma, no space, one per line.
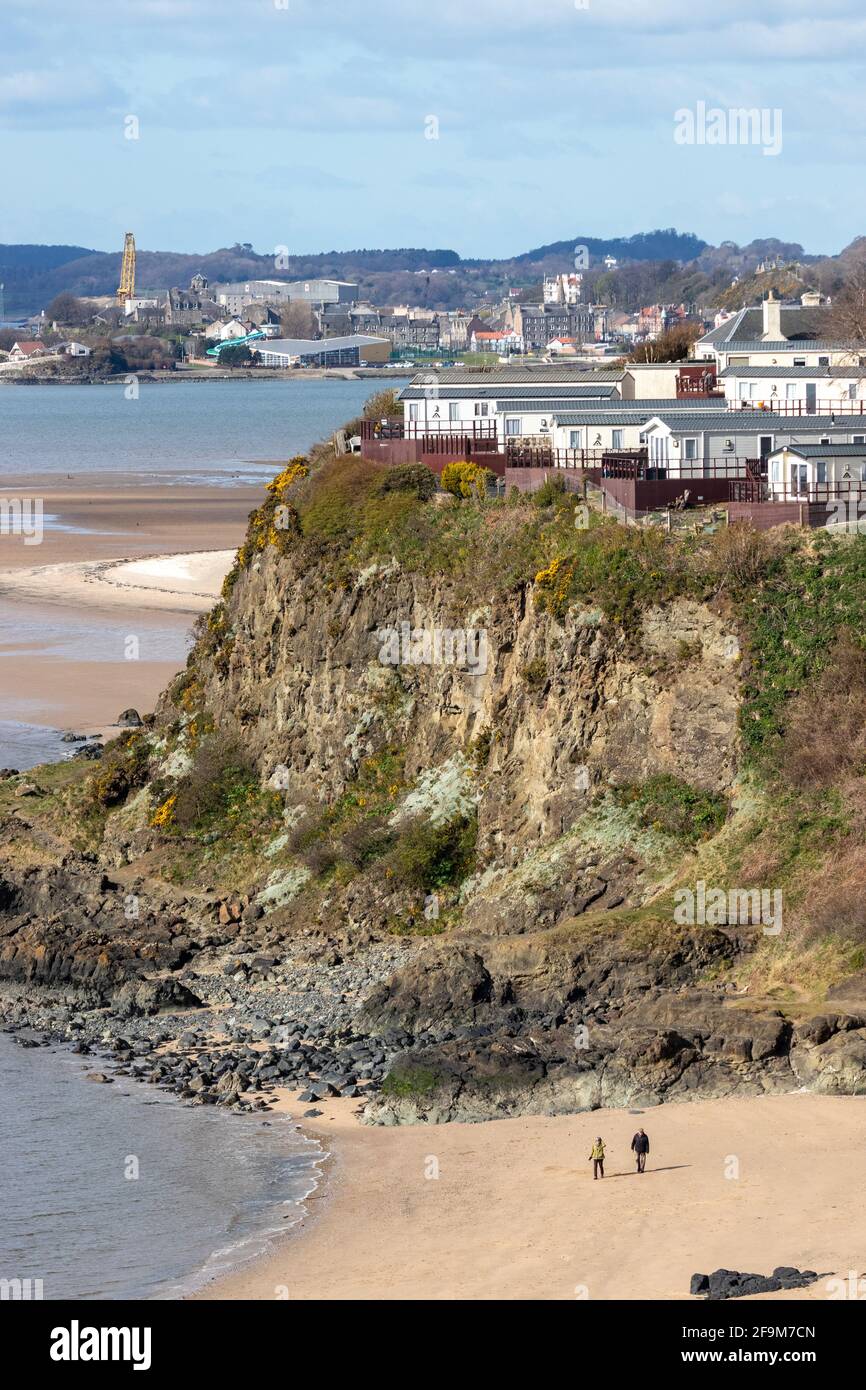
(778,335)
(816,471)
(718,442)
(73,349)
(496,340)
(232,328)
(796,390)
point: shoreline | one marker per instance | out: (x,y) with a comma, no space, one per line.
(506,1209)
(206,374)
(519,1220)
(227,1238)
(97,617)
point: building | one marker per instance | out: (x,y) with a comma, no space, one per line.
(410,331)
(779,335)
(73,349)
(499,340)
(562,289)
(232,328)
(22,352)
(183,308)
(316,293)
(798,390)
(351,351)
(678,441)
(540,324)
(322,291)
(818,472)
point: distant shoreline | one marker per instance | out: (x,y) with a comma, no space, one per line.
(255,374)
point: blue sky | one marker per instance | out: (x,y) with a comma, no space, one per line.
(302,122)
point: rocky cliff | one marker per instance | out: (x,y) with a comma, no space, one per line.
(435,775)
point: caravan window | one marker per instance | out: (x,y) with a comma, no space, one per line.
(616,439)
(574,439)
(690,448)
(820,471)
(512,426)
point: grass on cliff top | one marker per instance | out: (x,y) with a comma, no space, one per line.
(62,806)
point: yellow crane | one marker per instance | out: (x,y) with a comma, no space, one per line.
(126,288)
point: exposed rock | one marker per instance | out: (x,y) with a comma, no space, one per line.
(730,1283)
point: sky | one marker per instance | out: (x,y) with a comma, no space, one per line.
(485,126)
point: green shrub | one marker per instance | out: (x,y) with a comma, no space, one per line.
(675,808)
(220,784)
(415,478)
(534,673)
(552,490)
(122,769)
(429,856)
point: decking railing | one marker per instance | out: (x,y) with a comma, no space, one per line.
(476,430)
(824,406)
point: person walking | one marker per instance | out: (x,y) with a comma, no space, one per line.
(640,1147)
(597,1157)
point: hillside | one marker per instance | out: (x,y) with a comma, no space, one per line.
(467,887)
(661,265)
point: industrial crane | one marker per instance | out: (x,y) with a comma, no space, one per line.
(126,288)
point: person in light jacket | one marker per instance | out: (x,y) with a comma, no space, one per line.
(597,1157)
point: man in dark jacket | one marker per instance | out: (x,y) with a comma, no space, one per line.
(640,1145)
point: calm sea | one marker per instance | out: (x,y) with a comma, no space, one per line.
(185,431)
(221,427)
(212,1188)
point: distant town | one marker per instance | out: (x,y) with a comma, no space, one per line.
(584,314)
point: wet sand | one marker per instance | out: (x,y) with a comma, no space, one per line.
(92,621)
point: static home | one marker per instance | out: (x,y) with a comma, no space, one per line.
(808,390)
(816,471)
(683,444)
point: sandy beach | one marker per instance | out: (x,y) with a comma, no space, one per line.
(514,1212)
(119,559)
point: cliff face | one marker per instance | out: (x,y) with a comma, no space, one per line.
(439,807)
(560,710)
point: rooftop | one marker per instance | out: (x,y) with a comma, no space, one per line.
(797,321)
(809,451)
(760,422)
(540,373)
(793,372)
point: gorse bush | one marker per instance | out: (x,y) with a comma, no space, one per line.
(123,768)
(466,480)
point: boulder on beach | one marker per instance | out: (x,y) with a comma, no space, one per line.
(130,719)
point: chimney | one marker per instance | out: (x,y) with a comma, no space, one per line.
(772,319)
